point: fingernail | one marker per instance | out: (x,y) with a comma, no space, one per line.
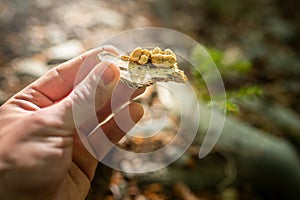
(107,76)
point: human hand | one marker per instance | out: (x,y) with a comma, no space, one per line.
(41,155)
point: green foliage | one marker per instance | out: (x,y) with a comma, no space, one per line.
(231,107)
(243,94)
(246,93)
(238,64)
(229,67)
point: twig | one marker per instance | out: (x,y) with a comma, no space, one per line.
(183,192)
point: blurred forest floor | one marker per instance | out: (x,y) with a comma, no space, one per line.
(37,35)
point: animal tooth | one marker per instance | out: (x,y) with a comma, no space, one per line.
(143,68)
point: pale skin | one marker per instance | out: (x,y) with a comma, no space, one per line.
(41,155)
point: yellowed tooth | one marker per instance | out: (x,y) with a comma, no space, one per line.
(145,67)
